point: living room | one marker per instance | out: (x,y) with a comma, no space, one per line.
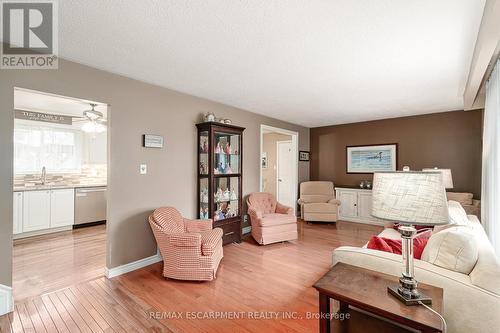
(189,109)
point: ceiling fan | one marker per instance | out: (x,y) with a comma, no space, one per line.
(94,121)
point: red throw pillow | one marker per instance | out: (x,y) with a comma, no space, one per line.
(394,245)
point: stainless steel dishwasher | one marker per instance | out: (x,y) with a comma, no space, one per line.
(90,205)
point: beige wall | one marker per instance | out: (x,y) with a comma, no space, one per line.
(135,108)
(269,146)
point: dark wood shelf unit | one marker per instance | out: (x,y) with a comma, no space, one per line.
(209,135)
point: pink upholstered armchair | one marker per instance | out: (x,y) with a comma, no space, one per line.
(191,249)
(271,221)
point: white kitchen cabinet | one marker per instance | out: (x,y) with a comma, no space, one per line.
(356,205)
(18,213)
(62,208)
(36,210)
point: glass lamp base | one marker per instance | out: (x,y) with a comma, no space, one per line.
(408,296)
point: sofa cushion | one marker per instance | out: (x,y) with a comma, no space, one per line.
(462,198)
(274,219)
(320,207)
(395,245)
(455,249)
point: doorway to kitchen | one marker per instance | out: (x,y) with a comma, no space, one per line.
(59,190)
(279,164)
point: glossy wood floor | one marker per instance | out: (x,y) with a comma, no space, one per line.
(51,262)
(266,282)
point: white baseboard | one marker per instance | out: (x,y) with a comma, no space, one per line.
(132,266)
(6,300)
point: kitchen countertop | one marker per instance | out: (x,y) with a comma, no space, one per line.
(54,187)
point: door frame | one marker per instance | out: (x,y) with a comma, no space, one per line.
(295,147)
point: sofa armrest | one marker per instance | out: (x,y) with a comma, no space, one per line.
(185,240)
(197,225)
(335,202)
(282,209)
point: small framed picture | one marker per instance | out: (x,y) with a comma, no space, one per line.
(152,141)
(304,156)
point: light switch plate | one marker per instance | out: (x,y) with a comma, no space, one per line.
(143,169)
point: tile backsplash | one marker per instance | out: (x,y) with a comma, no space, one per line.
(92,174)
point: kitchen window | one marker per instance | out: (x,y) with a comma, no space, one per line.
(58,149)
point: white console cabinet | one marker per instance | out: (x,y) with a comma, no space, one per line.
(356,205)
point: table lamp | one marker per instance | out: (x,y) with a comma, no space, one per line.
(409,198)
(447,179)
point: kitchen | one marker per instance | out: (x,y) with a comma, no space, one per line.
(59,191)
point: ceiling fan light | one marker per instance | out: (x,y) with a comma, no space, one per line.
(88,127)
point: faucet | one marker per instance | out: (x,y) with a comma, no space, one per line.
(43,178)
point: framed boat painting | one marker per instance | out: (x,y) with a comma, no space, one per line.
(372,158)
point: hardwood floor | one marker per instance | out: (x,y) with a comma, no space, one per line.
(267,282)
(50,262)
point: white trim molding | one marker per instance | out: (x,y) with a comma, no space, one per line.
(6,300)
(132,266)
(295,144)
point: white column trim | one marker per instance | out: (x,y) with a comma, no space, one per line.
(6,299)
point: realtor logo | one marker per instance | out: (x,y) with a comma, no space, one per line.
(29,34)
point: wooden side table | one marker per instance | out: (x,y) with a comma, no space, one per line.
(367,306)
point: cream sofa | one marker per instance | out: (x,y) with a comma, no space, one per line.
(466,199)
(471,302)
(317,202)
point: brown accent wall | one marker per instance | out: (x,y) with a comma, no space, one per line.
(136,108)
(446,140)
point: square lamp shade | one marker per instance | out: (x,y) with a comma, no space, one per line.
(447,179)
(410,197)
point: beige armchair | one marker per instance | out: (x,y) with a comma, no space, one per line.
(317,202)
(471,206)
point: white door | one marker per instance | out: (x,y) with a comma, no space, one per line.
(36,209)
(62,212)
(284,183)
(348,206)
(18,213)
(365,205)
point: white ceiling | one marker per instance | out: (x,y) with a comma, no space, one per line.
(308,62)
(31,100)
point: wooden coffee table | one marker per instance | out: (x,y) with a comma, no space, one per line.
(363,296)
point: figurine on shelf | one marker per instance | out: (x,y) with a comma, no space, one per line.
(203,144)
(205,213)
(203,168)
(216,215)
(219,195)
(236,152)
(228,148)
(228,169)
(204,195)
(226,195)
(222,169)
(218,148)
(233,195)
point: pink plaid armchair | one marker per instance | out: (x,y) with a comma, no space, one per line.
(191,249)
(271,221)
